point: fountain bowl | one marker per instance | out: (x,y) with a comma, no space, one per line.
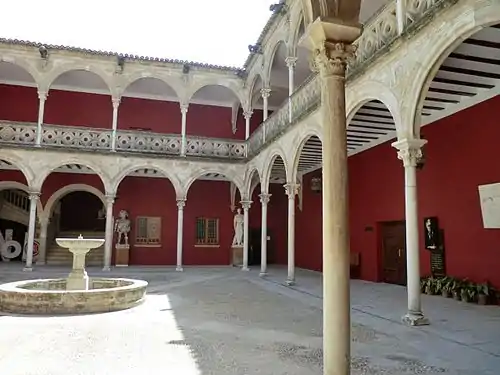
(50,296)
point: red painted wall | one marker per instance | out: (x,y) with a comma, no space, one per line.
(460,156)
(19,103)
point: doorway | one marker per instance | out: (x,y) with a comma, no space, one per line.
(394,252)
(255,248)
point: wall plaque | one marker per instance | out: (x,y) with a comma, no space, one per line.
(438,263)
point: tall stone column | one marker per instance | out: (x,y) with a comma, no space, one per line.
(181,203)
(42,251)
(291,191)
(246,206)
(184,111)
(34,197)
(290,61)
(248,116)
(108,243)
(265,93)
(42,97)
(330,59)
(116,104)
(410,151)
(264,200)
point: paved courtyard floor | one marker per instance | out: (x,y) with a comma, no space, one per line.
(222,321)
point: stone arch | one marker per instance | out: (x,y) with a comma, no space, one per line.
(169,175)
(272,56)
(14,185)
(238,92)
(372,90)
(171,82)
(253,82)
(249,181)
(62,192)
(26,66)
(52,165)
(462,27)
(195,175)
(26,171)
(60,70)
(299,147)
(296,22)
(266,174)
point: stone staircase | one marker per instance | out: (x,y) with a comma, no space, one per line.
(57,255)
(14,206)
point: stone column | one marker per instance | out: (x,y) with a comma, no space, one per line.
(34,197)
(42,97)
(42,251)
(248,116)
(246,206)
(184,111)
(265,93)
(291,190)
(116,104)
(181,203)
(264,200)
(108,243)
(401,15)
(330,59)
(409,151)
(290,63)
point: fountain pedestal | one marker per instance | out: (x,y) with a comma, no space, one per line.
(79,247)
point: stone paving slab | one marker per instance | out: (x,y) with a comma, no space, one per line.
(223,321)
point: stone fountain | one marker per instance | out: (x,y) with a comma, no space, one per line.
(76,294)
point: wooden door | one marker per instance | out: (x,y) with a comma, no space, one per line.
(254,247)
(394,253)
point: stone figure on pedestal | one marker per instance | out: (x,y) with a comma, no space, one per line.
(238,228)
(122,227)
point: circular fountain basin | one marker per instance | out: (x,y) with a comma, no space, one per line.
(49,296)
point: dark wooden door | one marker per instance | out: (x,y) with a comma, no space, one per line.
(394,253)
(254,247)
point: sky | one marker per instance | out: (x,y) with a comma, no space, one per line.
(210,31)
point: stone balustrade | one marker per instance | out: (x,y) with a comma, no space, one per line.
(83,138)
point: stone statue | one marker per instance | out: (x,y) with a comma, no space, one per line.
(122,227)
(238,228)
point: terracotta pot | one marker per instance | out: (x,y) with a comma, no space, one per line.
(482,299)
(456,296)
(445,294)
(464,296)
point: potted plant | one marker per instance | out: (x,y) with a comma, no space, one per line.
(456,288)
(445,286)
(469,292)
(430,286)
(483,293)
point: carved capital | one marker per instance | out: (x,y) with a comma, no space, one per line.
(34,195)
(181,203)
(291,61)
(265,198)
(184,108)
(247,115)
(42,96)
(246,205)
(291,190)
(409,151)
(116,102)
(266,92)
(110,199)
(331,59)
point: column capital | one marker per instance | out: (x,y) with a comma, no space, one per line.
(409,151)
(181,203)
(42,95)
(246,205)
(291,190)
(265,198)
(331,59)
(110,198)
(116,101)
(247,114)
(291,61)
(34,195)
(184,108)
(265,92)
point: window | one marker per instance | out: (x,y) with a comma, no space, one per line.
(148,231)
(207,231)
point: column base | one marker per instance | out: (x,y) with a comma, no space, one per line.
(106,268)
(28,269)
(263,274)
(414,319)
(245,269)
(179,269)
(290,282)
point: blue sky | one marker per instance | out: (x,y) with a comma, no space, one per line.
(211,31)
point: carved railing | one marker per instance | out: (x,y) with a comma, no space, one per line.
(83,138)
(379,32)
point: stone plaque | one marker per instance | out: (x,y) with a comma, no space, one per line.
(438,264)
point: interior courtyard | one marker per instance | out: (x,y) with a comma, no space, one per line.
(330,207)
